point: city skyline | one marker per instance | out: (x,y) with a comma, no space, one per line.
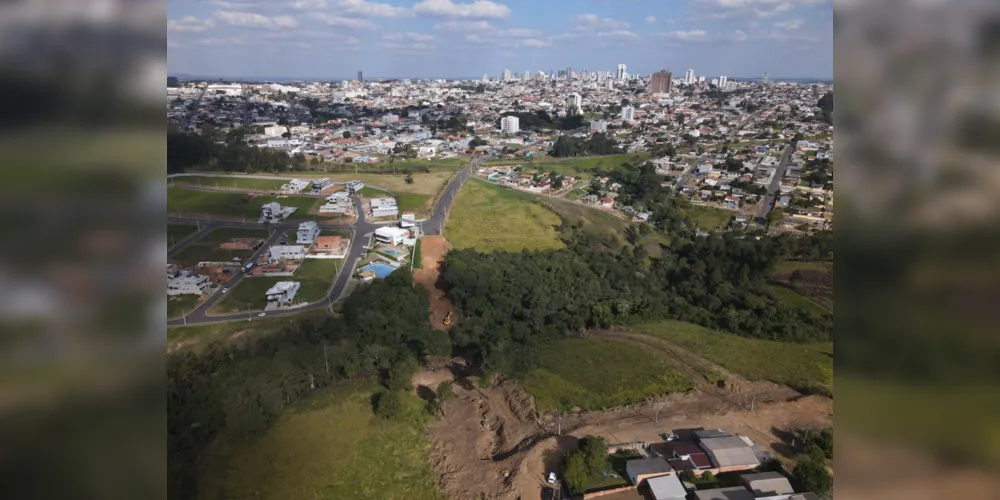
(333,39)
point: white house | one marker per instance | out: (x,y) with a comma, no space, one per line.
(307,233)
(384,207)
(295,185)
(599,126)
(390,235)
(275,130)
(287,252)
(353,187)
(274,212)
(191,284)
(282,293)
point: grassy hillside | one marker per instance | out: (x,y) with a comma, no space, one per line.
(330,447)
(231,204)
(597,374)
(802,366)
(487,217)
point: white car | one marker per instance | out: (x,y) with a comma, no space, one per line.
(552,477)
(261,315)
(225,289)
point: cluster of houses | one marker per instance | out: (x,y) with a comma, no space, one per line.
(660,472)
(519,177)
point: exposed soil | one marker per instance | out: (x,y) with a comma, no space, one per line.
(432,250)
(492,441)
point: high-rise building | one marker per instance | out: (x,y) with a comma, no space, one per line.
(527,75)
(628,113)
(621,72)
(609,84)
(361,76)
(486,78)
(764,80)
(506,75)
(569,73)
(574,102)
(701,79)
(660,82)
(689,76)
(510,125)
(599,126)
(722,82)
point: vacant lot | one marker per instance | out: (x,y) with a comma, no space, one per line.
(196,338)
(245,183)
(801,366)
(707,218)
(329,447)
(598,374)
(231,204)
(177,232)
(600,223)
(487,217)
(316,276)
(811,280)
(422,183)
(179,305)
(580,165)
(206,248)
(793,299)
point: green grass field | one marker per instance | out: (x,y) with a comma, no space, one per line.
(247,183)
(799,366)
(598,374)
(231,204)
(417,256)
(195,338)
(316,276)
(579,167)
(329,447)
(487,217)
(706,218)
(789,266)
(413,202)
(792,299)
(178,305)
(206,248)
(370,192)
(177,232)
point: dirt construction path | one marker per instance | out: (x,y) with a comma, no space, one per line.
(432,251)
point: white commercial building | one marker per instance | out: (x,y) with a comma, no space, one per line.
(225,89)
(510,124)
(390,235)
(628,113)
(307,233)
(689,76)
(275,130)
(574,101)
(722,82)
(506,75)
(384,207)
(282,293)
(599,126)
(192,284)
(287,252)
(621,72)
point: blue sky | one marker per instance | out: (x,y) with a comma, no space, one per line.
(467,38)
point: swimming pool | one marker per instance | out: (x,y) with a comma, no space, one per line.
(381,269)
(393,252)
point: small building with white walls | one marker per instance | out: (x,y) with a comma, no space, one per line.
(353,187)
(287,252)
(391,235)
(295,185)
(384,207)
(307,233)
(274,212)
(282,293)
(191,284)
(275,130)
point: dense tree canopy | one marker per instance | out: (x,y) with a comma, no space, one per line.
(597,144)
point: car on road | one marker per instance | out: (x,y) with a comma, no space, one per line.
(225,289)
(669,437)
(552,477)
(282,242)
(261,315)
(236,259)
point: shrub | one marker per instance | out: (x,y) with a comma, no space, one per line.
(812,476)
(389,405)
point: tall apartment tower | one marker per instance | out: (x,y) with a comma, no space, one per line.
(506,75)
(510,124)
(621,72)
(628,113)
(574,102)
(764,80)
(722,82)
(660,82)
(689,77)
(361,76)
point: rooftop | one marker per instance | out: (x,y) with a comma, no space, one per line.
(734,493)
(666,487)
(655,465)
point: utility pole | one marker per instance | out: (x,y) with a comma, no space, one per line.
(327,360)
(185,318)
(753,397)
(559,428)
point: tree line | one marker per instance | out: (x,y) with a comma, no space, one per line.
(597,144)
(237,391)
(542,120)
(192,151)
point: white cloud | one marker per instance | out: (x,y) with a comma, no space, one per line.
(344,22)
(364,8)
(350,41)
(409,47)
(651,19)
(749,9)
(478,40)
(620,34)
(738,36)
(791,24)
(222,41)
(519,32)
(448,8)
(303,45)
(533,42)
(564,36)
(464,26)
(594,22)
(416,37)
(686,35)
(253,20)
(190,23)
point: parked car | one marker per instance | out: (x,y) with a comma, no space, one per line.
(552,477)
(225,289)
(669,437)
(236,259)
(261,315)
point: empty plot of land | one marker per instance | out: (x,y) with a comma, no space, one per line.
(328,447)
(801,366)
(426,271)
(707,218)
(422,183)
(315,275)
(795,300)
(228,182)
(487,217)
(195,338)
(229,204)
(177,232)
(206,248)
(179,305)
(598,374)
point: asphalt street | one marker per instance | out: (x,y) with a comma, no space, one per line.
(362,233)
(772,190)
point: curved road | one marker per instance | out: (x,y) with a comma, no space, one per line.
(362,233)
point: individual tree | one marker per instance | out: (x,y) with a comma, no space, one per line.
(576,473)
(812,476)
(347,134)
(409,177)
(389,405)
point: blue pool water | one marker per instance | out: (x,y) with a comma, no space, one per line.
(394,253)
(381,269)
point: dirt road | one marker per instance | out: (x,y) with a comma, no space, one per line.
(432,251)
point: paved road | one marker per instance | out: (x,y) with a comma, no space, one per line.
(772,190)
(362,232)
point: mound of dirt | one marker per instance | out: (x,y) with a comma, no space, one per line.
(432,250)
